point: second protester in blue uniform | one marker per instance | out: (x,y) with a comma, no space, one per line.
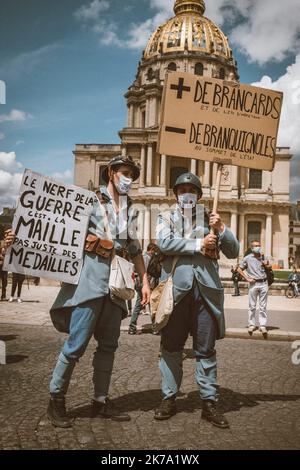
(198,297)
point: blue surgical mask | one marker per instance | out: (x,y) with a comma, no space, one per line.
(124,184)
(187,200)
(257,250)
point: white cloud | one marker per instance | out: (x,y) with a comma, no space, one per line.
(65,176)
(270,31)
(92,11)
(27,62)
(19,142)
(10,179)
(14,116)
(289,135)
(8,161)
(108,31)
(2,136)
(262,30)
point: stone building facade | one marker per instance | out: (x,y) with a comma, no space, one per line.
(255,204)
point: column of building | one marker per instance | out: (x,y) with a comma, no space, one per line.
(163,171)
(233,222)
(269,235)
(242,234)
(206,180)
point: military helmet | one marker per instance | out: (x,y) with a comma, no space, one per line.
(188,178)
(119,161)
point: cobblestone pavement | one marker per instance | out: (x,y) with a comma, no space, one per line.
(260,392)
(283,313)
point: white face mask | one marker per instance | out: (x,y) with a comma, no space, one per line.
(187,200)
(256,250)
(123,185)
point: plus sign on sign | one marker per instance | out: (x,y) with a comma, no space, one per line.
(220,121)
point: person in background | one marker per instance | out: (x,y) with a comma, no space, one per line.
(3,274)
(253,269)
(17,284)
(236,278)
(294,279)
(138,287)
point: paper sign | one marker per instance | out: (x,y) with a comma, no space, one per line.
(224,122)
(50,225)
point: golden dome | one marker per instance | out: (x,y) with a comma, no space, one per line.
(188,31)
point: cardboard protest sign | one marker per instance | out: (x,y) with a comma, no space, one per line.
(214,120)
(50,225)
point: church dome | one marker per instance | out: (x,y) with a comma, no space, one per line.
(189,31)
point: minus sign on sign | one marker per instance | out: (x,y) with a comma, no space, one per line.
(176,130)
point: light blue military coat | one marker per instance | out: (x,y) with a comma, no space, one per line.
(94,278)
(192,265)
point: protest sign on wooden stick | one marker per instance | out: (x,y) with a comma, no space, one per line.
(219,121)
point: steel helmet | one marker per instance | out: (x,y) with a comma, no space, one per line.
(188,178)
(119,161)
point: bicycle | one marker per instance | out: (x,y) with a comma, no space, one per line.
(291,292)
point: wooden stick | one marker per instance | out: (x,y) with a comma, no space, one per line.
(217,190)
(214,254)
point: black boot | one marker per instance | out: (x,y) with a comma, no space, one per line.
(3,296)
(166,409)
(132,330)
(108,410)
(57,412)
(211,414)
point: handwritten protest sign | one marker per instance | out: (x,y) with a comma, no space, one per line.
(215,120)
(50,225)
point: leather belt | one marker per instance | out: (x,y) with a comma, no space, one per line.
(260,280)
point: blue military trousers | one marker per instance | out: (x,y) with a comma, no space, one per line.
(190,316)
(101,318)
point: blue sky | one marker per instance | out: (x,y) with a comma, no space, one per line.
(68,63)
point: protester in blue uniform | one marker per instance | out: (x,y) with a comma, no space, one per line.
(198,297)
(88,309)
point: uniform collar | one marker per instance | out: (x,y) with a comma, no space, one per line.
(105,194)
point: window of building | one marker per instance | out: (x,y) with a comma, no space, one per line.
(101,180)
(222,74)
(172,67)
(143,119)
(150,74)
(255,179)
(199,69)
(254,232)
(176,171)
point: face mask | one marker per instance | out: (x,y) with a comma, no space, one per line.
(257,250)
(123,186)
(187,200)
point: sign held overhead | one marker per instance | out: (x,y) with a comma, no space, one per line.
(219,121)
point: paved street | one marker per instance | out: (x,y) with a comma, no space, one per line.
(284,314)
(260,387)
(260,390)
